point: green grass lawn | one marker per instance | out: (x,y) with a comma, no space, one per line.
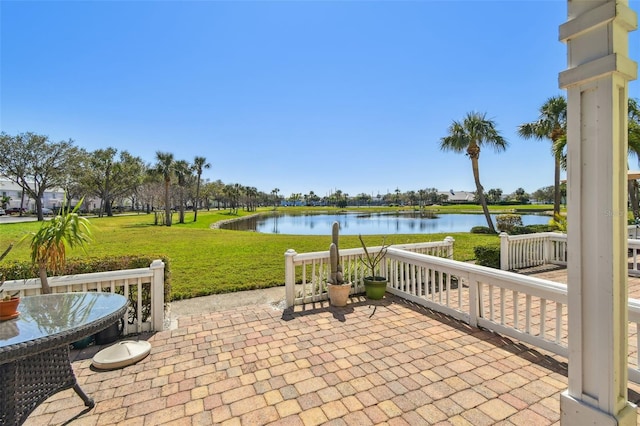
(208,261)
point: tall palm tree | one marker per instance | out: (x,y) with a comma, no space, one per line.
(199,163)
(559,150)
(468,136)
(552,125)
(183,173)
(49,244)
(164,167)
(634,149)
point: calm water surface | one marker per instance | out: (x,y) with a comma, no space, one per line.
(368,224)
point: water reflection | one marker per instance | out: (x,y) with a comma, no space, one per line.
(368,223)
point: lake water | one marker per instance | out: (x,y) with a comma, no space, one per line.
(368,224)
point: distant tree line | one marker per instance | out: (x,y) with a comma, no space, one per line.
(118,180)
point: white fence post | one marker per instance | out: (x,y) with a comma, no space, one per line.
(289,277)
(474,300)
(157,295)
(504,251)
(450,241)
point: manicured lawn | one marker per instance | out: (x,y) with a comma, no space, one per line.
(207,261)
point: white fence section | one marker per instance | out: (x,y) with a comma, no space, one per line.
(634,257)
(525,251)
(528,250)
(526,308)
(311,270)
(142,315)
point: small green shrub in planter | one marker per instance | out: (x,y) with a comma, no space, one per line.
(487,256)
(481,230)
(530,229)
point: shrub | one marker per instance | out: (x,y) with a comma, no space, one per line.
(24,270)
(487,256)
(559,222)
(506,222)
(481,230)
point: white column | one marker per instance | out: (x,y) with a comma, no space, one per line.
(599,69)
(289,277)
(157,296)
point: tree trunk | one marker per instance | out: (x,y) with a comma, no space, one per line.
(633,197)
(181,216)
(481,197)
(195,207)
(556,188)
(167,207)
(42,270)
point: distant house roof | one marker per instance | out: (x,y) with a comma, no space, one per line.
(458,196)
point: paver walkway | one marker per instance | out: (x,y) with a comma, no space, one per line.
(388,362)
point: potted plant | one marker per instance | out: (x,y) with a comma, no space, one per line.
(336,287)
(8,302)
(375,285)
(50,244)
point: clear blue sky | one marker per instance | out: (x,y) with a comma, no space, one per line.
(296,95)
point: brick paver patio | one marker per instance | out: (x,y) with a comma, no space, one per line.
(385,362)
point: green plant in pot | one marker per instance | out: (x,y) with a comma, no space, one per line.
(8,302)
(336,287)
(49,245)
(375,285)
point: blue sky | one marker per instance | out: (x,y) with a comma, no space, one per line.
(296,95)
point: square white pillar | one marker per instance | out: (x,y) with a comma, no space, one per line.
(596,82)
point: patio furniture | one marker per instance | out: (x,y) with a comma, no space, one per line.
(34,348)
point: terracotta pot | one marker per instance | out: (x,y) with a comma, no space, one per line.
(339,294)
(9,308)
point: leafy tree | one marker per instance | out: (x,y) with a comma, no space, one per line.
(468,136)
(520,195)
(36,164)
(199,163)
(494,195)
(108,177)
(552,125)
(164,167)
(544,195)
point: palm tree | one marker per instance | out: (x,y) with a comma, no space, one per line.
(469,136)
(164,167)
(634,149)
(559,149)
(183,172)
(49,245)
(552,125)
(275,191)
(199,163)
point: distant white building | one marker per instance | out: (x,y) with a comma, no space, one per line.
(458,196)
(52,198)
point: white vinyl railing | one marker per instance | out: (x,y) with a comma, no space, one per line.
(142,315)
(525,251)
(529,309)
(311,270)
(528,250)
(634,257)
(526,308)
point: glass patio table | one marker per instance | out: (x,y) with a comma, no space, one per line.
(34,347)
